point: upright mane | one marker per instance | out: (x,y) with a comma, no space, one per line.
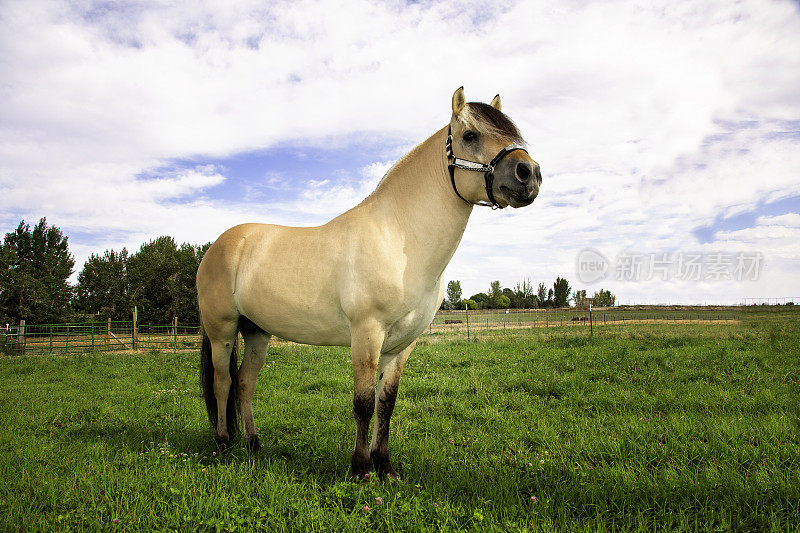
(486,118)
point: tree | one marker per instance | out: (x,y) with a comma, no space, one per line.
(34,269)
(561,290)
(189,257)
(161,278)
(579,298)
(152,277)
(604,298)
(523,295)
(494,289)
(103,286)
(541,295)
(470,304)
(8,273)
(481,299)
(503,301)
(454,293)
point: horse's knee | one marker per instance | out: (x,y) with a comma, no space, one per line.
(386,403)
(222,377)
(246,390)
(363,406)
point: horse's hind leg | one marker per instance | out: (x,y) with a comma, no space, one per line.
(391,367)
(255,351)
(223,356)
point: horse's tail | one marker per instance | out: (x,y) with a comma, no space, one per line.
(207,383)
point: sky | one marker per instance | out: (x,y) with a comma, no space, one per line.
(668,133)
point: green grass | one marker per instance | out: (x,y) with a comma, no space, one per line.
(650,427)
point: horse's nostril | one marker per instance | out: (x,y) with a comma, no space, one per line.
(523,171)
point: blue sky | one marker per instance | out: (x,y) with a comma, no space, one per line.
(661,127)
(282,172)
(748,219)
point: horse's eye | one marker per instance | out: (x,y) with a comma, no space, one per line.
(469,136)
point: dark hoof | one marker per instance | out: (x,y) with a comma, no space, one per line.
(223,443)
(253,445)
(359,468)
(383,466)
(363,479)
(388,473)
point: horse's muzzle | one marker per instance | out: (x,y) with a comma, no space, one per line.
(522,196)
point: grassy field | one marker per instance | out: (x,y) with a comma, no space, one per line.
(650,427)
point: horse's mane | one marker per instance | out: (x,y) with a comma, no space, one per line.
(485,118)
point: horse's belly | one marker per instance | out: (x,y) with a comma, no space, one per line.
(305,326)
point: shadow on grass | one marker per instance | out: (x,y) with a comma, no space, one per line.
(325,467)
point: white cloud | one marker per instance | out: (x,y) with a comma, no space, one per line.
(649,119)
(791,220)
(327,198)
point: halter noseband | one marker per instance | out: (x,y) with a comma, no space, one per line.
(488,170)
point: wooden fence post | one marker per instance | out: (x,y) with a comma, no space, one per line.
(108,332)
(133,330)
(466,310)
(21,336)
(175,330)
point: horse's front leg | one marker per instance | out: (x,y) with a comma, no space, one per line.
(391,368)
(366,342)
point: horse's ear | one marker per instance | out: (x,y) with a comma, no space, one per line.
(496,103)
(458,101)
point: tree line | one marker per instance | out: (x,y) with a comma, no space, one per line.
(159,279)
(35,266)
(524,296)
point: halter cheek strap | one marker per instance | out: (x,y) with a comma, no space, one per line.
(488,170)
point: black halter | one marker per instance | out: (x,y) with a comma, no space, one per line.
(488,170)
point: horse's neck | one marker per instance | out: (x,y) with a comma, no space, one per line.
(417,198)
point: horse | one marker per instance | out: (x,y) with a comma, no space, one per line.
(371,278)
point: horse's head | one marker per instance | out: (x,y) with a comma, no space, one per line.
(488,163)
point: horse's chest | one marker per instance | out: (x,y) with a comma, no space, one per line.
(411,324)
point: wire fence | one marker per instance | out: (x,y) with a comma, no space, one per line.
(463,322)
(39,339)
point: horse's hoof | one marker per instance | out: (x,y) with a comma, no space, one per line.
(391,476)
(254,445)
(223,443)
(388,474)
(363,478)
(359,467)
(383,466)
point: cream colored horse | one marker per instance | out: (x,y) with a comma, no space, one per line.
(370,278)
